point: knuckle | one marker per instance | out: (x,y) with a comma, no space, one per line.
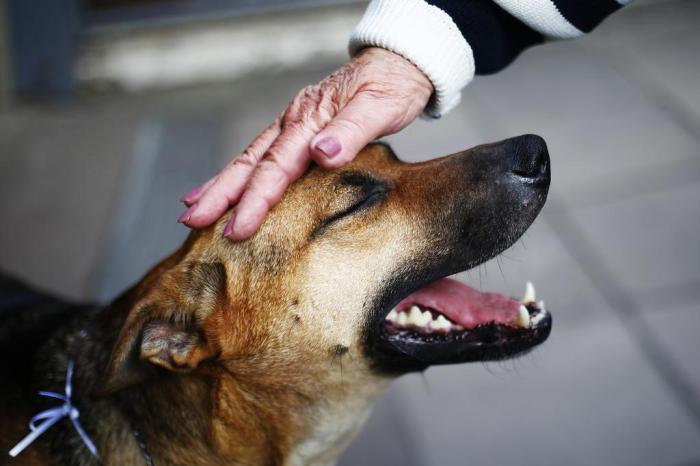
(312,92)
(305,98)
(312,107)
(328,107)
(287,167)
(291,129)
(273,162)
(246,159)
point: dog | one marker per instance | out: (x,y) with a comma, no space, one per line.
(271,351)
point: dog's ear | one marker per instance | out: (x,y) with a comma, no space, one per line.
(164,329)
(145,349)
(174,348)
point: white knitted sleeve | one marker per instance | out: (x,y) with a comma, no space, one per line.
(425,35)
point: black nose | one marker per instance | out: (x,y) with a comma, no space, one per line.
(529,158)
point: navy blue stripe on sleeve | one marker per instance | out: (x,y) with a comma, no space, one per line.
(587,14)
(496,37)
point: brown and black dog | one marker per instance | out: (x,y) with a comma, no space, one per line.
(271,351)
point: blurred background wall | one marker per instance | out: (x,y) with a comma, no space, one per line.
(110,110)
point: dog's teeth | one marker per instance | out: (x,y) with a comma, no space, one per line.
(415,316)
(542,311)
(402,318)
(440,323)
(392,316)
(425,318)
(523,319)
(538,317)
(529,296)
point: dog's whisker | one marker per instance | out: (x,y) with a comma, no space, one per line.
(498,261)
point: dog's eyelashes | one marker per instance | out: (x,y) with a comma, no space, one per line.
(368,200)
(372,195)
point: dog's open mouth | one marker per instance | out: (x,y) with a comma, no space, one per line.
(447,321)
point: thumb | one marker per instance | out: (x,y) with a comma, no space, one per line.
(363,120)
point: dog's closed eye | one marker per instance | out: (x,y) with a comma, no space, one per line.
(366,191)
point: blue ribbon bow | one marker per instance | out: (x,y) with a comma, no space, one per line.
(51,416)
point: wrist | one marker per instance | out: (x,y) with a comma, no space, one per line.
(427,37)
(398,65)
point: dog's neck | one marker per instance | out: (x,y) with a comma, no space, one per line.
(197,419)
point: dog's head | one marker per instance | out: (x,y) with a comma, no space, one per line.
(345,282)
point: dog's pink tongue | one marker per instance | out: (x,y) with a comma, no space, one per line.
(462,304)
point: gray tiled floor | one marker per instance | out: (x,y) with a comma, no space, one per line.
(677,329)
(615,253)
(642,249)
(667,41)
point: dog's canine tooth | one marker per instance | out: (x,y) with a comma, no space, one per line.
(529,296)
(523,319)
(392,316)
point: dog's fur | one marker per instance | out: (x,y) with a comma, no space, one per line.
(259,352)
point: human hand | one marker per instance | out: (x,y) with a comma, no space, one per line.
(375,94)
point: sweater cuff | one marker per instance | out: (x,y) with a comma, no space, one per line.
(424,35)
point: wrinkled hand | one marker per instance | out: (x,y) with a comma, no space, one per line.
(375,94)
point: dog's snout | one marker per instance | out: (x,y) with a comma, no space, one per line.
(529,157)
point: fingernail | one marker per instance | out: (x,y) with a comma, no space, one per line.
(228,230)
(187,215)
(329,146)
(189,196)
